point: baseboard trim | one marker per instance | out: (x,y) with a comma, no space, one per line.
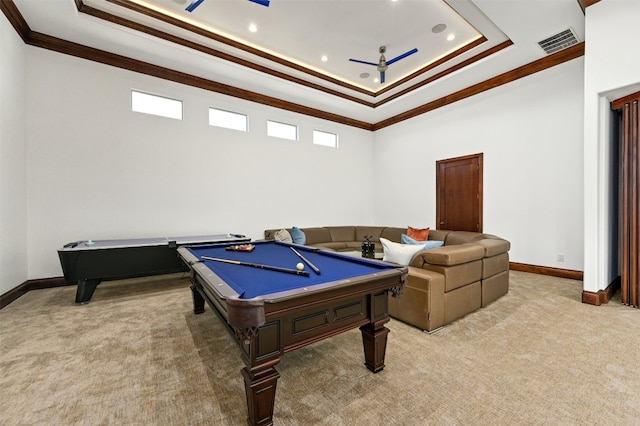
(547,270)
(39,284)
(601,297)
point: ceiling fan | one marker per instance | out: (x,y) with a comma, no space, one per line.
(383,63)
(196,3)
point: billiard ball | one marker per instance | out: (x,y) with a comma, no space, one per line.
(300,266)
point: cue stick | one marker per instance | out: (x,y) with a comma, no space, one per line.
(304,259)
(259,265)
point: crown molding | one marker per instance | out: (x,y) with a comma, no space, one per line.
(74,49)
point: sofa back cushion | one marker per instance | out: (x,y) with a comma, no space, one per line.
(461,237)
(438,234)
(342,233)
(317,235)
(393,234)
(365,231)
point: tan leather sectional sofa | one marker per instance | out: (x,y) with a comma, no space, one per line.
(468,272)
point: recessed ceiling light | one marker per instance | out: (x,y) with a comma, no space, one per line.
(438,28)
(324,58)
(376,80)
(365,75)
(451,37)
(253,28)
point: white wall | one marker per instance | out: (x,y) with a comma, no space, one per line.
(99,171)
(611,71)
(13,206)
(530,132)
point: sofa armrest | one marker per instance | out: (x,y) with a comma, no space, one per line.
(493,246)
(422,304)
(451,255)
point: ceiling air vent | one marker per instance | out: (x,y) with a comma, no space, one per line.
(559,41)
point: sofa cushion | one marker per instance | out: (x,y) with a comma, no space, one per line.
(494,265)
(392,233)
(342,233)
(461,237)
(283,235)
(399,253)
(368,231)
(317,235)
(298,236)
(419,234)
(453,255)
(438,234)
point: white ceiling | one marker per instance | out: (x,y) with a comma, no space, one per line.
(292,35)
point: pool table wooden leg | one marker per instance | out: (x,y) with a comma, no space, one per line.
(198,300)
(260,387)
(374,341)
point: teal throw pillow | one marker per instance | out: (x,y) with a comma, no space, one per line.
(297,235)
(405,239)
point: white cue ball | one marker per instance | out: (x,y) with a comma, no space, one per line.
(299,266)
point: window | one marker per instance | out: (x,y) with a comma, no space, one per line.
(325,139)
(282,130)
(156,105)
(227,119)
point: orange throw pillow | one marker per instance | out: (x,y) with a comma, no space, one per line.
(418,234)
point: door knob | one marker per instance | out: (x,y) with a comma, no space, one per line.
(441,223)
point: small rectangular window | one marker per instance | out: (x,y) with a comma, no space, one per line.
(282,130)
(227,119)
(156,105)
(325,139)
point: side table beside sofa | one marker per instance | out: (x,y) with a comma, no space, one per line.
(469,271)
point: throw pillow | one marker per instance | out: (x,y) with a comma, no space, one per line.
(283,235)
(405,239)
(418,234)
(432,244)
(399,253)
(297,235)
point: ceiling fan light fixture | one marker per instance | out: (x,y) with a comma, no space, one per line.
(383,64)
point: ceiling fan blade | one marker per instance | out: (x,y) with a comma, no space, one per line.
(193,5)
(381,77)
(363,62)
(404,55)
(262,2)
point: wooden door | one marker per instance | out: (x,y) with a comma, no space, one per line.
(629,108)
(459,193)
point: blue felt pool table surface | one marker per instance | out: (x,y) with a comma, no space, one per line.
(250,282)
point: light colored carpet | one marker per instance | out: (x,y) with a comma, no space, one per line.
(137,355)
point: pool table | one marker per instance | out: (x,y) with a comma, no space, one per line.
(270,312)
(88,263)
